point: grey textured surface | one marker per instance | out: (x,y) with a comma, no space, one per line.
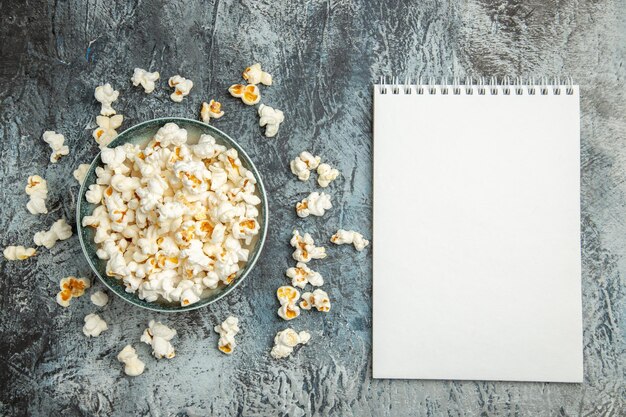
(324,57)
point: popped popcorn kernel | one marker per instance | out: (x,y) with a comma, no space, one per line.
(106,131)
(106,95)
(285,341)
(249,94)
(81,172)
(227,331)
(99,298)
(315,204)
(18,253)
(158,336)
(37,190)
(71,287)
(211,110)
(301,275)
(55,140)
(318,299)
(60,230)
(303,164)
(145,78)
(94,325)
(133,366)
(255,75)
(305,248)
(346,237)
(326,174)
(288,297)
(182,87)
(271,118)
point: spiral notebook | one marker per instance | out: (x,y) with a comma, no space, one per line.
(476,243)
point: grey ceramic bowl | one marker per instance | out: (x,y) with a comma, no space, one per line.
(140,135)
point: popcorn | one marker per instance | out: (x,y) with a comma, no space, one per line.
(99,298)
(343,237)
(270,118)
(133,366)
(315,204)
(81,172)
(182,87)
(305,248)
(106,95)
(326,174)
(37,189)
(249,94)
(60,230)
(286,340)
(302,275)
(227,331)
(18,253)
(105,133)
(55,140)
(302,165)
(158,336)
(71,287)
(318,299)
(170,134)
(145,78)
(94,325)
(254,75)
(288,296)
(212,110)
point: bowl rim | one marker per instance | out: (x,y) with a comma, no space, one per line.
(249,266)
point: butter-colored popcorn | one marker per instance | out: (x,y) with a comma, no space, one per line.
(271,118)
(343,237)
(81,172)
(18,253)
(94,325)
(106,95)
(315,204)
(182,87)
(55,140)
(326,174)
(305,248)
(318,299)
(288,297)
(60,230)
(106,131)
(286,340)
(227,331)
(255,75)
(158,336)
(71,287)
(302,165)
(145,78)
(37,189)
(133,366)
(211,110)
(301,275)
(99,298)
(249,94)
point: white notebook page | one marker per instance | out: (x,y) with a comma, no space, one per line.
(476,243)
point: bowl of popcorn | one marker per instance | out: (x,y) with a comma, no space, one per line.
(172,215)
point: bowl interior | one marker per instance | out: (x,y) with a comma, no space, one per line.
(140,135)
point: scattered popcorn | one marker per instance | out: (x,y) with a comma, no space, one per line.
(173,220)
(105,133)
(212,110)
(55,140)
(18,253)
(286,340)
(302,275)
(303,164)
(145,78)
(326,174)
(71,287)
(37,189)
(254,75)
(158,336)
(318,299)
(227,331)
(60,230)
(106,95)
(182,87)
(271,119)
(81,172)
(94,325)
(343,237)
(99,298)
(315,204)
(249,94)
(288,297)
(305,248)
(133,366)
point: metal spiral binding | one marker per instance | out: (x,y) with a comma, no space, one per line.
(482,86)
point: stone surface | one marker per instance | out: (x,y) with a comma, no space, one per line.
(324,57)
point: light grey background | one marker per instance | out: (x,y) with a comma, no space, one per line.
(324,57)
